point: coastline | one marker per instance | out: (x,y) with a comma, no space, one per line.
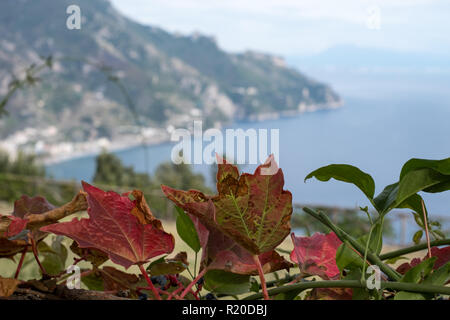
(70,151)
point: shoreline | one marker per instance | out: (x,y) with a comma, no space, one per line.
(93,148)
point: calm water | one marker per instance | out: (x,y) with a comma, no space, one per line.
(386,120)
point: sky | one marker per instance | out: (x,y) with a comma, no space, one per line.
(303,27)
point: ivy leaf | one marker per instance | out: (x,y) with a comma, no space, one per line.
(114,279)
(14,238)
(173,265)
(316,255)
(226,282)
(442,256)
(346,173)
(54,256)
(114,228)
(111,279)
(13,225)
(96,257)
(417,273)
(31,205)
(251,209)
(220,252)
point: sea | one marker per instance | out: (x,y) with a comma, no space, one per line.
(387,119)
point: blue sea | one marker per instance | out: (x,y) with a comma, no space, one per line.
(386,120)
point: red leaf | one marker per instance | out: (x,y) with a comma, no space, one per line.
(27,205)
(32,205)
(114,228)
(316,255)
(251,209)
(404,267)
(16,226)
(222,253)
(442,254)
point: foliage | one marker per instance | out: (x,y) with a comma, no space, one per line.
(110,171)
(353,221)
(23,164)
(238,232)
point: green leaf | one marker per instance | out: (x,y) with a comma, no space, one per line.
(403,295)
(386,199)
(93,282)
(419,272)
(219,281)
(166,267)
(419,180)
(358,293)
(347,258)
(418,236)
(441,166)
(346,173)
(440,276)
(396,259)
(186,230)
(54,256)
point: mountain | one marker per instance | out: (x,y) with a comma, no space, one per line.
(171,78)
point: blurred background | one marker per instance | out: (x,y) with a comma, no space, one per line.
(360,82)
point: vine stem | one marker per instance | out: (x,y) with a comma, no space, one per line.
(35,253)
(19,266)
(344,237)
(363,274)
(419,247)
(400,286)
(427,234)
(150,283)
(190,285)
(261,277)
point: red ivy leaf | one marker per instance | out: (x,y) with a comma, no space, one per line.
(27,205)
(316,255)
(114,228)
(442,254)
(32,205)
(16,226)
(223,253)
(251,209)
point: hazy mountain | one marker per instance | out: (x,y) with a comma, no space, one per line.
(171,78)
(354,58)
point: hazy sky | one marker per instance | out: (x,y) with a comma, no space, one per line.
(291,27)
